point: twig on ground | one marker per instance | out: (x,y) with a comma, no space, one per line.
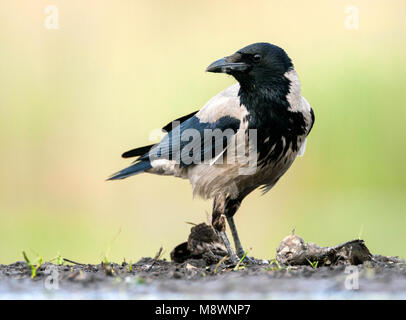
(71,261)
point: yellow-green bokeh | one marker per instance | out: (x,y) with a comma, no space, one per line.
(73,99)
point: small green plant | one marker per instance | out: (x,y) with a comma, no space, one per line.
(58,259)
(313,264)
(274,261)
(278,266)
(105,260)
(34,265)
(237,267)
(130,266)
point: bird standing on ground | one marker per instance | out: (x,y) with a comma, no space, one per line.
(244,138)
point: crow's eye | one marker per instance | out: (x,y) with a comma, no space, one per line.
(257,58)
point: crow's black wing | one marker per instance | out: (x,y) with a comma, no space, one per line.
(173,124)
(189,140)
(138,152)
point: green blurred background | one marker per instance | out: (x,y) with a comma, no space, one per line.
(73,99)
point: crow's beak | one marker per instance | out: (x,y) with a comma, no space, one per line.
(227,65)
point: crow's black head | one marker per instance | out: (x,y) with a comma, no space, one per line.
(254,64)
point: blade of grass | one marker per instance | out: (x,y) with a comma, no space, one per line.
(219,263)
(239,262)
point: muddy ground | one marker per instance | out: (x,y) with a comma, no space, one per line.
(317,273)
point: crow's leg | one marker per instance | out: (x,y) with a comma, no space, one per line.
(231,207)
(219,224)
(230,250)
(238,247)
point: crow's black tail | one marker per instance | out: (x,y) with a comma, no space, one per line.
(134,169)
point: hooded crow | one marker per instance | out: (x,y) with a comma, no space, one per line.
(244,138)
